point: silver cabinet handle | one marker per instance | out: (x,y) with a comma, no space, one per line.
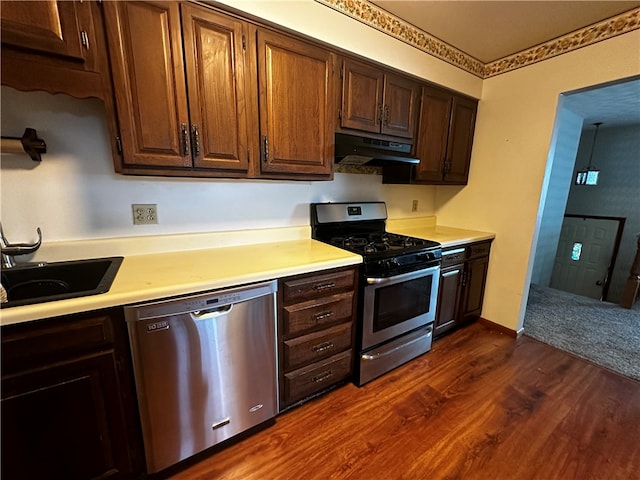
(323,347)
(184,132)
(323,315)
(324,286)
(195,136)
(321,377)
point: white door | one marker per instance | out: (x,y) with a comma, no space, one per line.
(585,250)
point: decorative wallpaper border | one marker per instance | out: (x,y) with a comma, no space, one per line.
(381,20)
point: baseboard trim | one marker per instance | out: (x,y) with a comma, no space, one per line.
(500,328)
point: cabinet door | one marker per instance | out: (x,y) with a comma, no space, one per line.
(448,298)
(400,106)
(433,131)
(213,46)
(44,26)
(463,120)
(296,94)
(64,421)
(362,87)
(145,43)
(475,280)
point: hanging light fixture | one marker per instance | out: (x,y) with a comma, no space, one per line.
(590,175)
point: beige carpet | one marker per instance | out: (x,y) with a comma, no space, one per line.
(601,332)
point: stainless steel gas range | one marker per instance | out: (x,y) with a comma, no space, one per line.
(398,285)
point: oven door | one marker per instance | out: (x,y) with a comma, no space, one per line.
(398,304)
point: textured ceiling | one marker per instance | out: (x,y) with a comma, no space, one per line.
(613,105)
(489,30)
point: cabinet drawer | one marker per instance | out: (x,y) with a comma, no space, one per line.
(305,316)
(317,376)
(453,256)
(316,346)
(478,250)
(297,289)
(25,343)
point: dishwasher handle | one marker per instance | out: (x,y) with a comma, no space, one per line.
(211,312)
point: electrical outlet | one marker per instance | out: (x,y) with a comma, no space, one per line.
(414,206)
(144,214)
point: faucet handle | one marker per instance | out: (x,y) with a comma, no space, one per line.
(19,248)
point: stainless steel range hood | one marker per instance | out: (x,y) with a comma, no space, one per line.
(355,150)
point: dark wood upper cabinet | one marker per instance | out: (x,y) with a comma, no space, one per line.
(55,46)
(45,26)
(214,52)
(443,141)
(149,83)
(445,137)
(174,110)
(296,94)
(377,102)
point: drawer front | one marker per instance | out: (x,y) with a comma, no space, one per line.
(306,316)
(301,288)
(53,338)
(316,346)
(454,256)
(311,379)
(478,250)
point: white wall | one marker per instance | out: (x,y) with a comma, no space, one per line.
(74,194)
(513,134)
(562,157)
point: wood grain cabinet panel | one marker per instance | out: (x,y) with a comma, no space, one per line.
(463,277)
(443,141)
(445,137)
(378,102)
(214,51)
(44,26)
(68,403)
(180,111)
(55,46)
(362,87)
(149,82)
(316,346)
(296,93)
(305,287)
(315,332)
(316,377)
(325,310)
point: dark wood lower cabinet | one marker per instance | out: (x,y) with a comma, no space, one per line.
(462,280)
(67,400)
(315,333)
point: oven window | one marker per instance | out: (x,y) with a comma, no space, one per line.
(396,303)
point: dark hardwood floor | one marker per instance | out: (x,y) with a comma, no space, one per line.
(480,405)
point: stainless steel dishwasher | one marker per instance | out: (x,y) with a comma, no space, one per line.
(205,369)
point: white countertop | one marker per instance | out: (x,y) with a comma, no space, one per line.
(160,275)
(145,277)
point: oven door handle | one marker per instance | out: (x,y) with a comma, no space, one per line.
(401,278)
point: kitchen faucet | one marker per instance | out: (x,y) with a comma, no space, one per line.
(10,250)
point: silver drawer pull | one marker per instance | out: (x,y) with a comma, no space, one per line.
(323,315)
(322,376)
(323,346)
(324,286)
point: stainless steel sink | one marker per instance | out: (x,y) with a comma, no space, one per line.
(26,285)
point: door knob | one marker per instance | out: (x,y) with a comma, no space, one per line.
(599,282)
